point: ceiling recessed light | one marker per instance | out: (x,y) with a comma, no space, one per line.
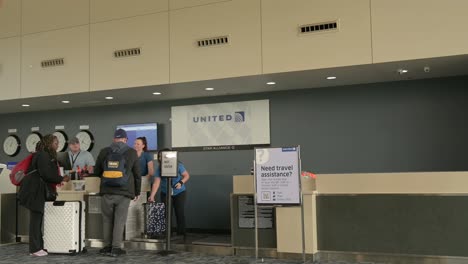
(157,93)
(66,102)
(209,89)
(109,97)
(331,78)
(25,105)
(271,83)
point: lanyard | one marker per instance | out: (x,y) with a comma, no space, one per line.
(73,160)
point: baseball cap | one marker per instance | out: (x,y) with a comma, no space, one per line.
(73,140)
(120,133)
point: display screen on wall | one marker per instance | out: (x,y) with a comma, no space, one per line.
(148,130)
(224,126)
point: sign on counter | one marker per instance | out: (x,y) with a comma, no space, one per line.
(247,214)
(277,176)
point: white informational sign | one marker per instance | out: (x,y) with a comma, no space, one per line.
(277,175)
(169,164)
(225,124)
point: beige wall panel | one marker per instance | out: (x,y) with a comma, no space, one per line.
(10,68)
(104,10)
(394,183)
(242,184)
(44,15)
(240,20)
(284,49)
(289,227)
(178,4)
(150,33)
(10,18)
(71,44)
(406,30)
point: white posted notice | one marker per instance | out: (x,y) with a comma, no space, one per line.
(277,175)
(169,164)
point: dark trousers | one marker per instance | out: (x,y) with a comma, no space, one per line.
(36,241)
(114,216)
(178,203)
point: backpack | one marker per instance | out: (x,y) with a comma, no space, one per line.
(114,172)
(19,171)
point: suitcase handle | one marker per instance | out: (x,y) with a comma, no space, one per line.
(59,203)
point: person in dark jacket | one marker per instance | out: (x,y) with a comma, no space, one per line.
(116,200)
(42,171)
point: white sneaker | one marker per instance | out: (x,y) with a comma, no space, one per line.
(40,253)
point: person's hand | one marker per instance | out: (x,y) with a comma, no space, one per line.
(179,184)
(151,199)
(66,178)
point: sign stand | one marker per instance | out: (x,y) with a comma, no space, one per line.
(169,169)
(270,163)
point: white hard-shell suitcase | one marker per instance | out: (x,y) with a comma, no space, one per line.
(64,227)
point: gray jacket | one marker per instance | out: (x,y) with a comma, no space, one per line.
(132,169)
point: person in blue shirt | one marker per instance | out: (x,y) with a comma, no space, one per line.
(178,191)
(144,157)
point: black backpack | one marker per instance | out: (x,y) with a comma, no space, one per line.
(114,168)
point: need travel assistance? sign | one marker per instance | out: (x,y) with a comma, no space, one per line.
(277,175)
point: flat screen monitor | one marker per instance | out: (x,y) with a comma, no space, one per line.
(148,130)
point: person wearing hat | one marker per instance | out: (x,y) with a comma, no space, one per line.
(116,199)
(79,158)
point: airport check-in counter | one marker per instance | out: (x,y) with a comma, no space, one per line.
(286,233)
(382,217)
(7,207)
(393,217)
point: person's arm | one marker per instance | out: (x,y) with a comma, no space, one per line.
(150,169)
(98,169)
(47,168)
(91,163)
(154,189)
(136,175)
(185,177)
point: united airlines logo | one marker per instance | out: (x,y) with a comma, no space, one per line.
(238,117)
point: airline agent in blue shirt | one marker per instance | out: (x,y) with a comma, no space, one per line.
(179,194)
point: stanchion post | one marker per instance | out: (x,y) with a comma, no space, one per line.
(168,213)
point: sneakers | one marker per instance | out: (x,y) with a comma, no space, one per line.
(116,252)
(106,250)
(40,253)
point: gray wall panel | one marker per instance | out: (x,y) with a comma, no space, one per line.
(395,224)
(385,127)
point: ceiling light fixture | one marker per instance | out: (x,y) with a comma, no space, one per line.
(331,78)
(209,89)
(109,97)
(25,105)
(271,83)
(157,93)
(66,102)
